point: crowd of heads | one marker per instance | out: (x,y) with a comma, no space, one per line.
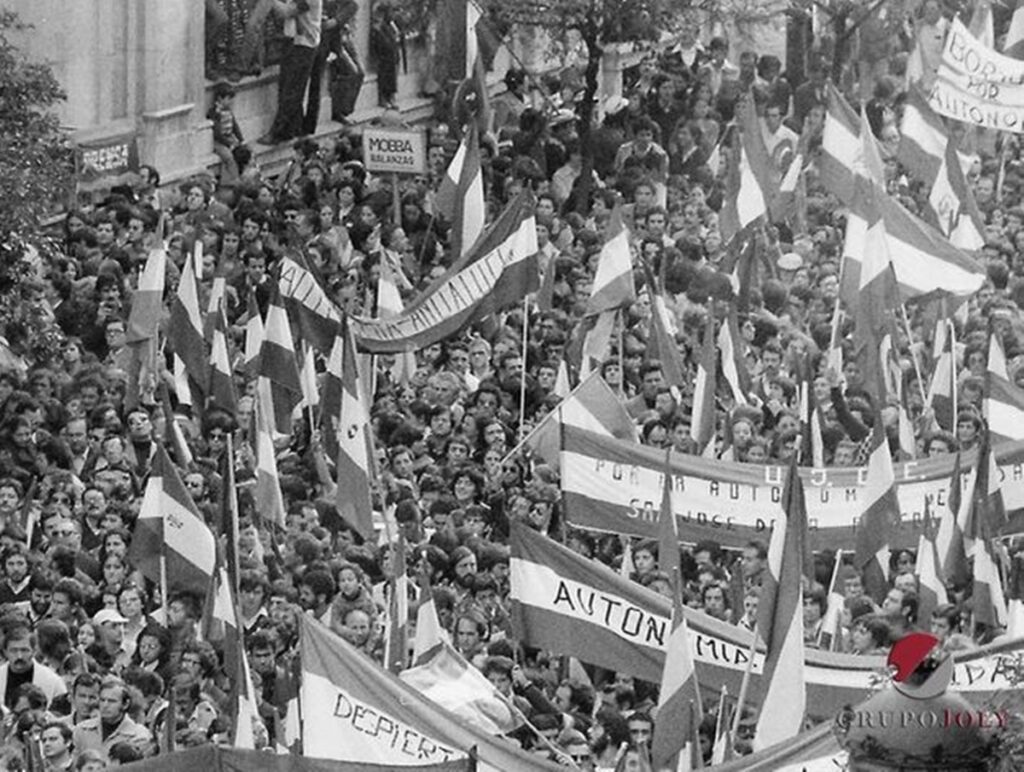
(96,665)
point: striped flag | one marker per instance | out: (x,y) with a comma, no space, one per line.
(562,387)
(592,406)
(721,750)
(1015,597)
(661,342)
(702,422)
(679,701)
(949,539)
(879,518)
(830,633)
(931,590)
(1004,399)
(430,635)
(185,332)
(751,183)
(460,194)
(170,527)
(942,390)
(279,368)
(353,436)
(221,388)
(215,303)
(613,282)
(336,673)
(987,516)
(1013,44)
(254,334)
(307,378)
(924,261)
(780,619)
(390,305)
(877,295)
(148,299)
(269,499)
(448,680)
(734,366)
(812,444)
(242,697)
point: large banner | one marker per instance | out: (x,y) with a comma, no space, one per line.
(103,163)
(615,486)
(575,606)
(978,85)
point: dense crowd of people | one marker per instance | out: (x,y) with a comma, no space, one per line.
(91,657)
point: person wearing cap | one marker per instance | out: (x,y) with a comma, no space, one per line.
(21,667)
(110,626)
(789,263)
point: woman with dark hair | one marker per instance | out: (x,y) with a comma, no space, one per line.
(153,651)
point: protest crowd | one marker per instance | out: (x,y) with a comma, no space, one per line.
(188,381)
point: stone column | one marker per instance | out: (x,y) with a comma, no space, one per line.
(171,86)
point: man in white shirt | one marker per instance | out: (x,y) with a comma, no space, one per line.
(777,136)
(302,27)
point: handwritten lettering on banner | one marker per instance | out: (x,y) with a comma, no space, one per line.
(617,487)
(392,735)
(978,85)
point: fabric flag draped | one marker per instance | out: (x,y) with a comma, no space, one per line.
(185,332)
(879,517)
(269,499)
(987,515)
(878,295)
(242,698)
(592,406)
(811,442)
(390,305)
(942,389)
(734,367)
(750,184)
(780,619)
(497,272)
(931,590)
(949,539)
(1004,399)
(460,194)
(170,527)
(148,299)
(830,632)
(446,679)
(409,729)
(928,150)
(613,282)
(429,633)
(926,264)
(661,343)
(279,382)
(316,314)
(254,334)
(679,702)
(221,389)
(702,422)
(353,436)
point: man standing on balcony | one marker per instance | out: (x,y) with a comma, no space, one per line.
(302,27)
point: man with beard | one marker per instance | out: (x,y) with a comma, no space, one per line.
(15,586)
(315,594)
(40,593)
(21,668)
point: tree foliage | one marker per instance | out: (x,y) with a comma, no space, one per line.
(36,175)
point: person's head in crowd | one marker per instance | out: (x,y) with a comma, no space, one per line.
(869,634)
(470,632)
(56,745)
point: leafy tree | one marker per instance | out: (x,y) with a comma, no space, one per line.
(36,175)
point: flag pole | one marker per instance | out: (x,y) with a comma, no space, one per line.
(950,332)
(831,584)
(522,375)
(744,685)
(913,355)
